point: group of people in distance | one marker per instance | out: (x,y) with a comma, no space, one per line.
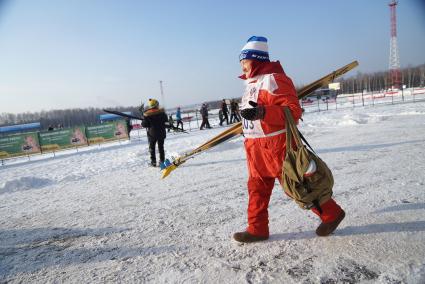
(223,113)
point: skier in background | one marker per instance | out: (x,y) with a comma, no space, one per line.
(179,118)
(129,126)
(220,116)
(154,120)
(224,112)
(204,114)
(268,89)
(170,122)
(234,111)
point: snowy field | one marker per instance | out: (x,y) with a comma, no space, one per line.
(102,215)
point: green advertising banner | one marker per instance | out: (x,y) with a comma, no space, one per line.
(107,132)
(19,144)
(63,138)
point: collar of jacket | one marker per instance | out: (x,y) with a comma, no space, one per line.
(262,68)
(153,111)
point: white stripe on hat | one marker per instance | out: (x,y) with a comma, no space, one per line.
(256,45)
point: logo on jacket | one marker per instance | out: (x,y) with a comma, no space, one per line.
(253,91)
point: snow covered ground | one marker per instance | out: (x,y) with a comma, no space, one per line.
(102,215)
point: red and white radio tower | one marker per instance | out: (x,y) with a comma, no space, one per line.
(395,74)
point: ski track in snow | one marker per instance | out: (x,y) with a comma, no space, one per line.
(102,215)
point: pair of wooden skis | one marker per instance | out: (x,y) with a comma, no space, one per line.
(236,129)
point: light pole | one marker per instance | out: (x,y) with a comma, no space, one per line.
(162,93)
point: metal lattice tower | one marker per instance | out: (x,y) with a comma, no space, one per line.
(162,94)
(395,74)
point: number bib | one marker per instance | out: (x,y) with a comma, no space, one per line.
(251,128)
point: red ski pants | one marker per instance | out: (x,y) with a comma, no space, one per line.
(259,192)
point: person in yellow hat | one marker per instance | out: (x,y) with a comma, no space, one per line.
(154,121)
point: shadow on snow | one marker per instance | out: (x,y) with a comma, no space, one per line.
(416,226)
(31,250)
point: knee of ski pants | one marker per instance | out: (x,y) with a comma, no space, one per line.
(260,189)
(160,143)
(152,143)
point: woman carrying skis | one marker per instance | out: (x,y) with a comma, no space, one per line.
(268,90)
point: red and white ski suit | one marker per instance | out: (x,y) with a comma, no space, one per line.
(265,139)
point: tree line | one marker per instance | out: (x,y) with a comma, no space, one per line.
(372,82)
(411,77)
(60,118)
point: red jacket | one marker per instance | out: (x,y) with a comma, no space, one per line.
(265,142)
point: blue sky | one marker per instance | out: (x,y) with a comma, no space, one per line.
(101,53)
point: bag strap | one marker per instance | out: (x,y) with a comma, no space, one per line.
(288,133)
(306,142)
(291,129)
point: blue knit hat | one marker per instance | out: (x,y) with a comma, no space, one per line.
(255,48)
